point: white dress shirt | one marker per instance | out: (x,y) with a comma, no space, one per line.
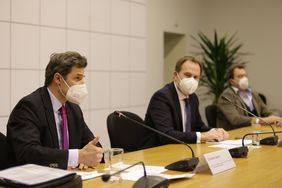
(181,98)
(246,96)
(73,153)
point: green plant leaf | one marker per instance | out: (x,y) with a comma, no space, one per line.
(218,55)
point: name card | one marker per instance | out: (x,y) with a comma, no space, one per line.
(216,162)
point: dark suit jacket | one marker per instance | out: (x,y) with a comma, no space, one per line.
(32,133)
(164,114)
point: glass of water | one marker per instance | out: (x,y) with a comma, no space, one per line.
(112,157)
(255,137)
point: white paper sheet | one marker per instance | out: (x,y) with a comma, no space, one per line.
(139,168)
(134,176)
(229,144)
(136,172)
(88,175)
(32,174)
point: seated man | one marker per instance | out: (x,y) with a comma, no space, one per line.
(47,126)
(174,109)
(231,117)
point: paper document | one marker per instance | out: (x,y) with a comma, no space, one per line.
(136,172)
(88,175)
(139,168)
(32,174)
(229,144)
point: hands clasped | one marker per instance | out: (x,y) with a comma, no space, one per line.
(217,134)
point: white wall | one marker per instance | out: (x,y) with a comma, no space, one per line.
(257,23)
(175,16)
(123,41)
(110,33)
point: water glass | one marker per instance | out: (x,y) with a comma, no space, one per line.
(113,156)
(255,137)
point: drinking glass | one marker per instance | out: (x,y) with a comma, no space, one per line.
(255,138)
(113,156)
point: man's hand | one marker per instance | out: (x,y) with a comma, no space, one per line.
(275,120)
(217,134)
(90,155)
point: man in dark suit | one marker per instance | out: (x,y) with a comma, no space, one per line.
(47,126)
(174,109)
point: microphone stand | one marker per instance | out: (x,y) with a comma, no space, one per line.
(143,182)
(248,134)
(185,165)
(242,151)
(266,141)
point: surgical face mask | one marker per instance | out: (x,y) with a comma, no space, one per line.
(76,93)
(188,85)
(244,83)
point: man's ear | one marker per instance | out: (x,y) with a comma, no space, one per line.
(57,78)
(174,75)
(231,82)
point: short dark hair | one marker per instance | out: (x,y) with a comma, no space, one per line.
(63,63)
(182,60)
(230,71)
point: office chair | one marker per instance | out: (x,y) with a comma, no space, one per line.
(126,134)
(3,157)
(211,113)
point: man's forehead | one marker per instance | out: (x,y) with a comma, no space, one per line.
(190,67)
(77,71)
(239,71)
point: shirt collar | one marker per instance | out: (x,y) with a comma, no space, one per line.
(249,90)
(55,102)
(181,96)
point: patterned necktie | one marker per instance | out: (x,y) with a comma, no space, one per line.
(64,127)
(247,98)
(188,115)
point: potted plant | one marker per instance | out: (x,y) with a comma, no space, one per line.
(217,56)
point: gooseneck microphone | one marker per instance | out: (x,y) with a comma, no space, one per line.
(248,134)
(185,165)
(143,182)
(241,152)
(273,140)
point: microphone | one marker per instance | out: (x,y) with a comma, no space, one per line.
(145,181)
(185,165)
(242,151)
(273,140)
(248,134)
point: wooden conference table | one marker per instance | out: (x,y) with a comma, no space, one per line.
(262,167)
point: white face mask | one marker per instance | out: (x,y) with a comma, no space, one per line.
(188,85)
(76,93)
(244,83)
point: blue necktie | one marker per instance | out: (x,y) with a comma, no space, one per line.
(188,115)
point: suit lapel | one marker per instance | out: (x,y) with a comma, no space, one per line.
(49,114)
(177,105)
(71,127)
(192,101)
(256,106)
(243,105)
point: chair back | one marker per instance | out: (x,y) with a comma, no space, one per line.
(3,147)
(124,133)
(211,113)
